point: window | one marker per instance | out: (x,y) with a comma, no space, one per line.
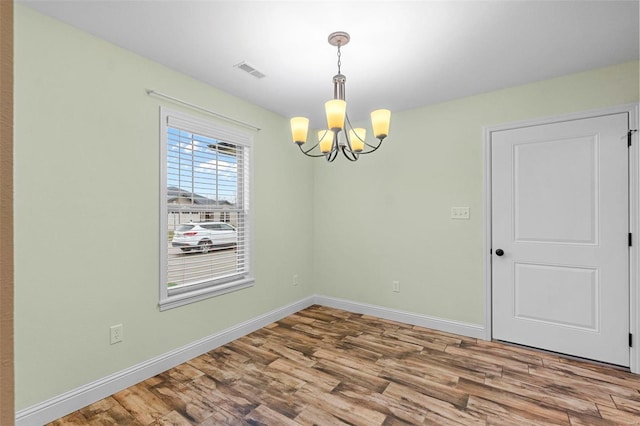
(205,170)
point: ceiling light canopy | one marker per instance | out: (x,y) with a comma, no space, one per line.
(353,143)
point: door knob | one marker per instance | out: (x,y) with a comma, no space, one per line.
(499,252)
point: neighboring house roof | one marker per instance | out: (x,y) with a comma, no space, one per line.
(174,194)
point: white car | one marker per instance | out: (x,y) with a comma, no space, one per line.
(203,236)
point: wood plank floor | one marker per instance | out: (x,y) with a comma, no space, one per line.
(323,366)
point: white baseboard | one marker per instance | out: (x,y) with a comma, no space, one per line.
(78,398)
(456,327)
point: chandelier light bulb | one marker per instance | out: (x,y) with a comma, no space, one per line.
(380,121)
(299,129)
(335,109)
(357,137)
(325,138)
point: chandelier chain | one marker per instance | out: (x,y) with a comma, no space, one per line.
(339,61)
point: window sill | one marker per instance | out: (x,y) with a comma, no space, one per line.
(177,300)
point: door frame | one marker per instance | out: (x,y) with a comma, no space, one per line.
(634,214)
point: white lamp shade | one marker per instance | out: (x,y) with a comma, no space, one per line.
(336,110)
(326,140)
(356,138)
(299,129)
(380,121)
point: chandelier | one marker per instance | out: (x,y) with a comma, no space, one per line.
(353,143)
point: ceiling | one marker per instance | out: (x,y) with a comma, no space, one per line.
(402,54)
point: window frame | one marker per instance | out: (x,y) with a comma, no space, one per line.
(193,293)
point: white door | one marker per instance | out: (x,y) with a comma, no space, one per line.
(560,217)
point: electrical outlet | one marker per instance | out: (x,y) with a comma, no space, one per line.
(395,286)
(116,333)
(295,279)
(460,213)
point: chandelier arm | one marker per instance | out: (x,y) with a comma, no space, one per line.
(374,148)
(346,117)
(347,145)
(331,155)
(309,150)
(350,155)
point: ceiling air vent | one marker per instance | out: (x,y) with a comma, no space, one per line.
(249,69)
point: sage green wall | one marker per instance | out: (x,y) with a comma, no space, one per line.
(386,217)
(86,211)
